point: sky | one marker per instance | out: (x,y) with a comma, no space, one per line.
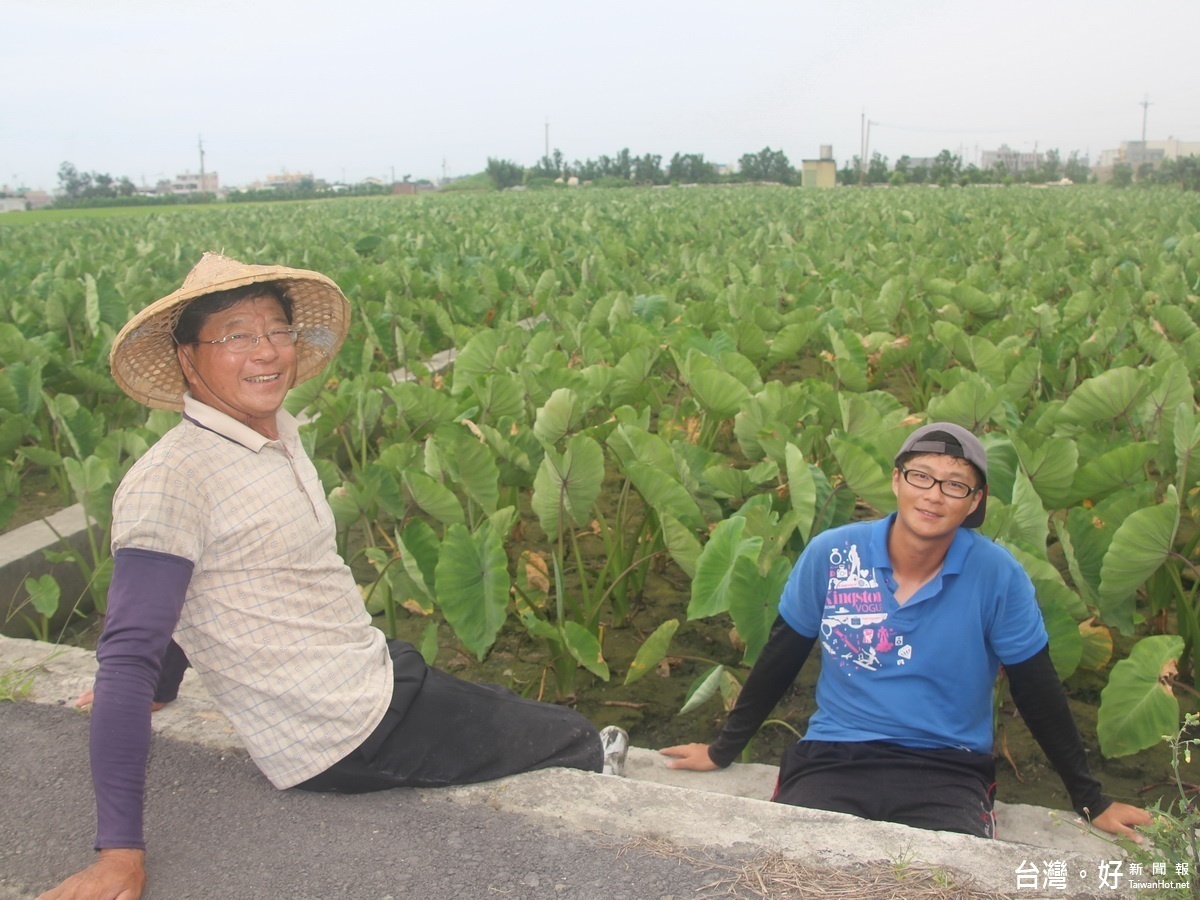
(349,89)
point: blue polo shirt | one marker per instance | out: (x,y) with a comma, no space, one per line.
(919,674)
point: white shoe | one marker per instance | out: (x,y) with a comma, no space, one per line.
(615,742)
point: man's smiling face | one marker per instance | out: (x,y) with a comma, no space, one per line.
(248,386)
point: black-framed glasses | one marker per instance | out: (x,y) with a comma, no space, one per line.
(243,342)
(924,481)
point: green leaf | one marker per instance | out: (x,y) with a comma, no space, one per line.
(754,602)
(433,497)
(652,651)
(1137,706)
(583,646)
(1107,396)
(1051,468)
(566,487)
(864,475)
(802,489)
(664,493)
(429,644)
(716,576)
(1118,468)
(91,307)
(1141,544)
(556,416)
(44,595)
(472,585)
(681,543)
(719,392)
(703,689)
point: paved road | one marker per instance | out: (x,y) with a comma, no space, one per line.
(213,806)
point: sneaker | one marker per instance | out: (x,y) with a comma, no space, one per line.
(615,742)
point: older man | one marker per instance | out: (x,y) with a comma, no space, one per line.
(914,613)
(224,550)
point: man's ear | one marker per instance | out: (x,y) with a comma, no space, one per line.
(185,362)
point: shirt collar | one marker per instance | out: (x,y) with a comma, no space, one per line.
(228,427)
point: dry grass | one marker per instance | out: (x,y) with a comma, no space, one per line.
(776,876)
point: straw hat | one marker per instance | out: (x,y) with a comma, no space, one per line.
(143,357)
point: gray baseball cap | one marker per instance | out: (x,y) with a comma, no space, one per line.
(952,440)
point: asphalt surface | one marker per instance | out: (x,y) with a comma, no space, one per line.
(216,827)
(223,831)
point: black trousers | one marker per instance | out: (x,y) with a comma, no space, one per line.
(939,790)
(440,730)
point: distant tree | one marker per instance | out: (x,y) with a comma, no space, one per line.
(648,169)
(1145,172)
(1076,169)
(691,168)
(877,169)
(766,165)
(945,168)
(848,174)
(919,174)
(1052,166)
(903,165)
(1122,175)
(125,187)
(504,173)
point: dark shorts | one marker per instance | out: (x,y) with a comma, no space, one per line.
(939,790)
(440,730)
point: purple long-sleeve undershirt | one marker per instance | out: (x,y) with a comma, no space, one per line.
(145,598)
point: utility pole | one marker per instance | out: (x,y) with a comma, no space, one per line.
(862,148)
(547,137)
(1145,105)
(200,140)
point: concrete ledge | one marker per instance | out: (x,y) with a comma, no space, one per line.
(719,809)
(22,556)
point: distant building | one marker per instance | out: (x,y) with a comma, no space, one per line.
(1135,153)
(191,183)
(1014,161)
(13,204)
(821,172)
(284,181)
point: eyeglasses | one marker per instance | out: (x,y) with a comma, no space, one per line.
(923,480)
(244,343)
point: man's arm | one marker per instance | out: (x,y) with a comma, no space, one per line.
(776,669)
(1043,705)
(144,601)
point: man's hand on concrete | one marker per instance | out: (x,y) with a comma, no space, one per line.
(1121,818)
(689,756)
(115,875)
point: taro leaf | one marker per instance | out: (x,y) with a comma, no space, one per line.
(1112,471)
(651,653)
(44,594)
(754,602)
(433,497)
(717,575)
(849,362)
(971,403)
(556,416)
(789,342)
(681,543)
(584,647)
(1141,544)
(1187,448)
(1108,396)
(13,430)
(566,487)
(719,392)
(483,355)
(1086,591)
(1051,468)
(1024,520)
(863,474)
(91,305)
(1066,644)
(1047,580)
(1092,530)
(663,493)
(973,300)
(546,285)
(472,585)
(429,644)
(343,503)
(1097,645)
(802,490)
(1137,706)
(419,556)
(703,689)
(367,244)
(535,624)
(476,472)
(88,477)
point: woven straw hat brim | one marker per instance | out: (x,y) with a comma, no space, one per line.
(143,359)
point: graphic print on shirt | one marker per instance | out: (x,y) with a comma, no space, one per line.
(854,629)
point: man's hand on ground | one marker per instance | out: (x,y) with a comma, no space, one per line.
(115,875)
(85,700)
(689,756)
(1121,818)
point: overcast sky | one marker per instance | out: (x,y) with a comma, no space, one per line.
(347,89)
